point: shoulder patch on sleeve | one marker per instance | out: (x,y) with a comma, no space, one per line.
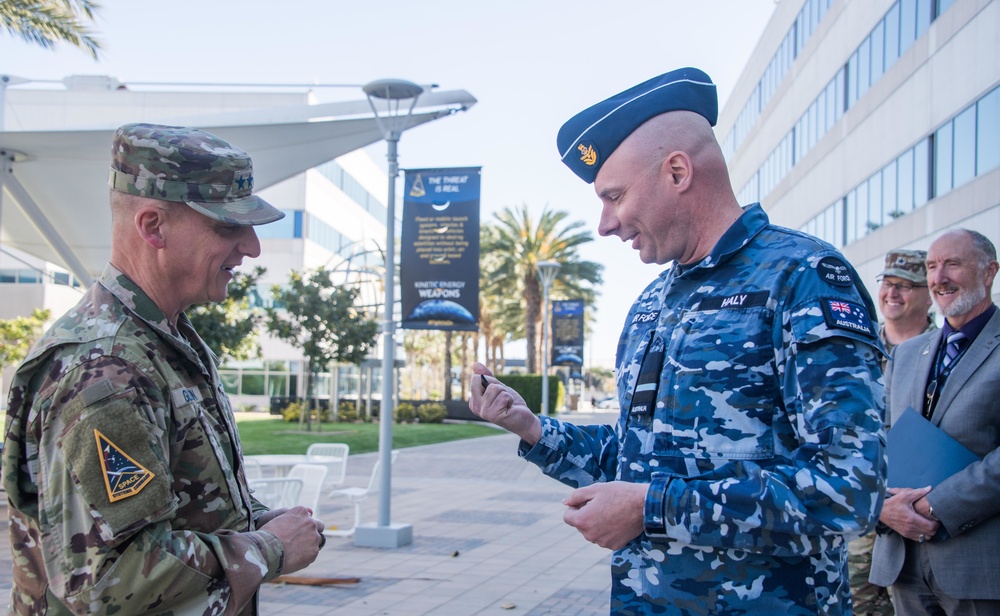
(123,476)
(842,314)
(834,271)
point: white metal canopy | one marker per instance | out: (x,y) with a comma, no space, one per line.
(55,194)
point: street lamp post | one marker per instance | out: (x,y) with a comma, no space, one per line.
(547,271)
(392,122)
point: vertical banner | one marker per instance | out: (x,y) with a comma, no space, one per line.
(439,253)
(567,332)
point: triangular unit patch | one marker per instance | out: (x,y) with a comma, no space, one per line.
(123,476)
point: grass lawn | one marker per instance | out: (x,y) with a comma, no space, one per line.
(263,434)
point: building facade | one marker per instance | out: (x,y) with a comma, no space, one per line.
(872,124)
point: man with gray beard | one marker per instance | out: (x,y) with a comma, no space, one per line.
(938,545)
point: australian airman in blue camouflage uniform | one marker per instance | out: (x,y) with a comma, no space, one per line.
(751,398)
(121,458)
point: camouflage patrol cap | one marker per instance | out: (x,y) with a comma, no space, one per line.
(906,264)
(191,166)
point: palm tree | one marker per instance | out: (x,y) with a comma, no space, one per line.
(515,245)
(46,22)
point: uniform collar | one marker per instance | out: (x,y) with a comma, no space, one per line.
(139,303)
(745,228)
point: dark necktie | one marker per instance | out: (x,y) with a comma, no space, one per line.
(956,340)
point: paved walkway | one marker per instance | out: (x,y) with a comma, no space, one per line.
(488,538)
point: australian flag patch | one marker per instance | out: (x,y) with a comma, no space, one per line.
(123,476)
(844,314)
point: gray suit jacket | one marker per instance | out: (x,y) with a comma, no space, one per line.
(966,565)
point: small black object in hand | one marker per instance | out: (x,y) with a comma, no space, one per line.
(485,382)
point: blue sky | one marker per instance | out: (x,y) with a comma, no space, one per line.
(532,65)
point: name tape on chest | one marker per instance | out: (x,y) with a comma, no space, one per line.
(185,395)
(843,314)
(123,476)
(737,300)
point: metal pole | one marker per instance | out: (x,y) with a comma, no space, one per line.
(385,415)
(545,347)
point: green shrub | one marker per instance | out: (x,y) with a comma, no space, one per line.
(293,411)
(530,388)
(432,412)
(406,413)
(347,414)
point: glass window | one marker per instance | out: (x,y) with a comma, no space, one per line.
(253,384)
(26,276)
(864,67)
(907,24)
(851,217)
(878,51)
(230,381)
(891,36)
(943,5)
(988,132)
(942,160)
(838,224)
(964,148)
(852,80)
(863,215)
(8,275)
(279,229)
(831,103)
(904,169)
(60,278)
(923,16)
(876,216)
(921,173)
(821,125)
(829,230)
(889,193)
(277,384)
(841,80)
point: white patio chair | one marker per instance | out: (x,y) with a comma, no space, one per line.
(277,492)
(252,470)
(334,456)
(357,495)
(312,476)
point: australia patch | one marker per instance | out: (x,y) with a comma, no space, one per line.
(123,476)
(834,271)
(847,315)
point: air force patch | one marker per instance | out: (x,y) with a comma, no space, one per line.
(847,315)
(123,476)
(834,271)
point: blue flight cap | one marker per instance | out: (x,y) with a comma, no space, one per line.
(589,137)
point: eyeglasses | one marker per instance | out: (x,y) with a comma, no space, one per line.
(902,287)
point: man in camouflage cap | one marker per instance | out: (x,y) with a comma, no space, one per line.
(905,303)
(903,298)
(749,448)
(121,460)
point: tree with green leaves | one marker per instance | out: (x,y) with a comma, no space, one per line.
(18,334)
(230,327)
(322,319)
(517,243)
(46,22)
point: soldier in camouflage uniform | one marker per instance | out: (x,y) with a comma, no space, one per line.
(904,302)
(121,459)
(750,446)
